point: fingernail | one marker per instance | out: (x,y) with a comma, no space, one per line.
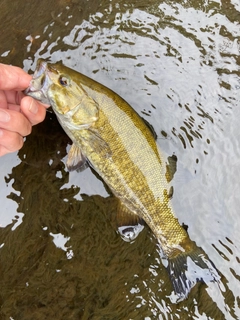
(33,107)
(4,116)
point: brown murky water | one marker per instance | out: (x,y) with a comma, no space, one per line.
(178,64)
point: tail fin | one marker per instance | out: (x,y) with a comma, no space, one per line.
(188,268)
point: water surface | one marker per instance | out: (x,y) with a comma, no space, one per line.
(177,63)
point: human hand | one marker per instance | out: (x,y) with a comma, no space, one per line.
(18,113)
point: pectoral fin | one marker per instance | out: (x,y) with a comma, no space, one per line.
(99,145)
(76,160)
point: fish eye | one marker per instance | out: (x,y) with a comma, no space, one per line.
(64,81)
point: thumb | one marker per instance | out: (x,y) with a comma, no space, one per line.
(34,110)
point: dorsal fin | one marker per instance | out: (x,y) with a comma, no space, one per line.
(170,192)
(150,127)
(171,167)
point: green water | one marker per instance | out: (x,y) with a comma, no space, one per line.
(178,64)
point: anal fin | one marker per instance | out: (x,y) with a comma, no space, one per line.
(129,224)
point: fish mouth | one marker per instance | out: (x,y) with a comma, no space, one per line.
(40,68)
(40,82)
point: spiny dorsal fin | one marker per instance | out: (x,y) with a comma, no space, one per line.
(150,127)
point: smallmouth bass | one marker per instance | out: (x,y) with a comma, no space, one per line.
(114,140)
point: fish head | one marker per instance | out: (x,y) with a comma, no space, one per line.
(61,87)
(39,84)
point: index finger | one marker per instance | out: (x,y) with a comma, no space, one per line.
(13,78)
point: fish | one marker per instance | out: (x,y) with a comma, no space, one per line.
(109,136)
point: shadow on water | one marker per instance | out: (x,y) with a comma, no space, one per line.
(177,63)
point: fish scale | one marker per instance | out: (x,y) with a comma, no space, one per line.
(141,169)
(109,135)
